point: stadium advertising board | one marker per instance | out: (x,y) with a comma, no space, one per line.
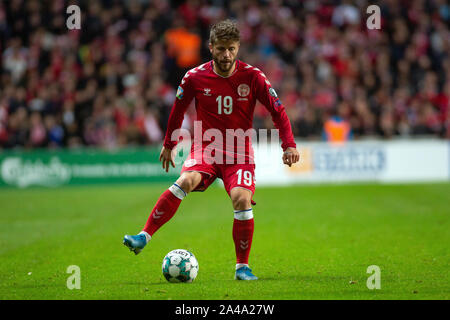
(392,161)
(85,166)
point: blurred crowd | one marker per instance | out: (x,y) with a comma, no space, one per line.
(112,83)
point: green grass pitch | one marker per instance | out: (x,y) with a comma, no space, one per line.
(310,242)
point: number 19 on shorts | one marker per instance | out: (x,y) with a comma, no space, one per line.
(247,175)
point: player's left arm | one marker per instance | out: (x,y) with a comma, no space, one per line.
(268,97)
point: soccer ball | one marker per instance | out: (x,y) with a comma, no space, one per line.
(180,266)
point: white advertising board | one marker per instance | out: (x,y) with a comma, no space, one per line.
(381,161)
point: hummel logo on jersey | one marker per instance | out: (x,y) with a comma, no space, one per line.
(157,214)
(207,92)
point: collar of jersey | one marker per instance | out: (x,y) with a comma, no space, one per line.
(235,69)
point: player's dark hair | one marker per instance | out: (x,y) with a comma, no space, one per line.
(225,30)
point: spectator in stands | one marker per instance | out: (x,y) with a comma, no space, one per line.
(337,128)
(112,83)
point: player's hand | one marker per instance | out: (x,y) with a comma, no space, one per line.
(166,157)
(290,156)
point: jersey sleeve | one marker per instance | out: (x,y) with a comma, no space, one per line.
(268,97)
(184,96)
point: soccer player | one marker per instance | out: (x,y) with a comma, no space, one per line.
(225,91)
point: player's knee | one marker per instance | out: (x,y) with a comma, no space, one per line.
(189,181)
(241,201)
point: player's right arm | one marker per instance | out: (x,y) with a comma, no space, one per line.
(184,96)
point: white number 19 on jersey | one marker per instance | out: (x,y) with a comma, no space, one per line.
(227,105)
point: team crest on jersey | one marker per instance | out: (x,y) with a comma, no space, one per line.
(243,90)
(180,93)
(207,92)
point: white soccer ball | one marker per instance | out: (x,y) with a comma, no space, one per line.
(180,266)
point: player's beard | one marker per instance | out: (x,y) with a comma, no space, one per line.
(223,67)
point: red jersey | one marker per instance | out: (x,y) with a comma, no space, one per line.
(227,103)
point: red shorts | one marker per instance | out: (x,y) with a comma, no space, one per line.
(232,175)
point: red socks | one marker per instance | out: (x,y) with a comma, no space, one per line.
(168,204)
(165,208)
(243,227)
